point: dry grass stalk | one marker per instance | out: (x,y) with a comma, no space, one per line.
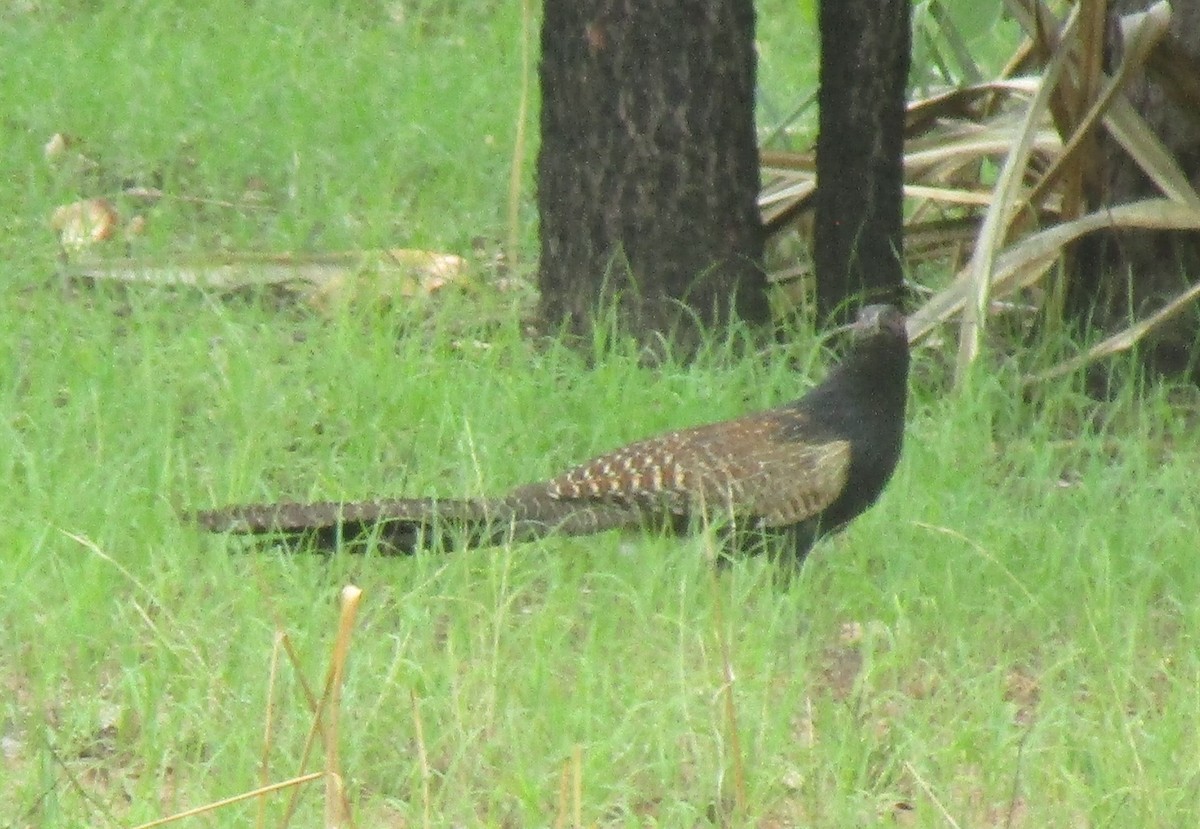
(728,699)
(423,759)
(325,713)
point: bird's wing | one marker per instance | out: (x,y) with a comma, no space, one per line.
(762,466)
(793,482)
(774,467)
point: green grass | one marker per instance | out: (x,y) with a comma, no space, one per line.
(1010,635)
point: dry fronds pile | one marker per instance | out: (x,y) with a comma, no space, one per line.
(993,169)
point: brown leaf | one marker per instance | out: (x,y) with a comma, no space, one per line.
(84,223)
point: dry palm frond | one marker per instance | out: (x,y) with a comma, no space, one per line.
(994,169)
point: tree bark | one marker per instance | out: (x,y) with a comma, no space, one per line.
(859,232)
(1119,275)
(648,170)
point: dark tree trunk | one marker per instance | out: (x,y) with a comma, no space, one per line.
(648,170)
(1127,274)
(859,232)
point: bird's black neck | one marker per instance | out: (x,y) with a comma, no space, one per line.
(872,379)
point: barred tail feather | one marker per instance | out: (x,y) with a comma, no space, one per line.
(406,525)
(400,525)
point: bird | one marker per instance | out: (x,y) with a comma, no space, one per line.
(796,472)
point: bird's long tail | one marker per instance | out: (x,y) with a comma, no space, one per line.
(400,525)
(405,525)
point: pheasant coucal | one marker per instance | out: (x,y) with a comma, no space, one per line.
(800,470)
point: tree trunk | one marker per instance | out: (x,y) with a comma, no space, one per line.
(1119,275)
(648,170)
(859,231)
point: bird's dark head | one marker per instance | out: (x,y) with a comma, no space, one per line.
(879,319)
(876,363)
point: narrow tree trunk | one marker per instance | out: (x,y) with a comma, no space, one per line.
(648,170)
(859,231)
